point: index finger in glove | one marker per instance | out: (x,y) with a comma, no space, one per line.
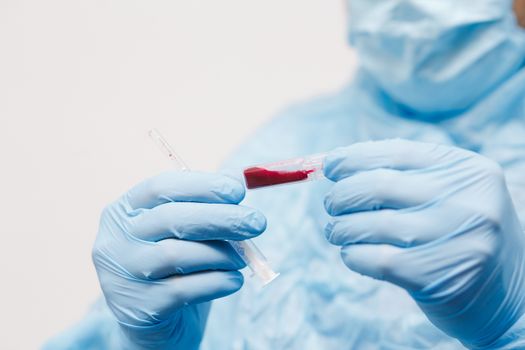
(197,222)
(185,186)
(394,154)
(377,189)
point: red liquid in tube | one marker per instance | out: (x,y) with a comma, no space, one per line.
(257,177)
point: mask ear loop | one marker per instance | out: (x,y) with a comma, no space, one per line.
(519,10)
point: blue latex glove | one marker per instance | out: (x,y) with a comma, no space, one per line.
(160,255)
(437,221)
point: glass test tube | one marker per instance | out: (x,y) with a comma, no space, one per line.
(246,249)
(300,169)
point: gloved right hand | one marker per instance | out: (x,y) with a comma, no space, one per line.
(160,255)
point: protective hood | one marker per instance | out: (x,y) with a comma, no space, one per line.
(437,56)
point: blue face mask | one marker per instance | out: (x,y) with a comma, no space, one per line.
(437,56)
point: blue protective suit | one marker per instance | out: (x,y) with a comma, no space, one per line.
(317,302)
(311,306)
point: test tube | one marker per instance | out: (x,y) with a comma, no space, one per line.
(300,169)
(246,249)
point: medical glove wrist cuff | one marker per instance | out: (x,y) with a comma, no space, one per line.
(165,335)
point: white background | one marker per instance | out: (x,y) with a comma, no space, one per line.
(80,84)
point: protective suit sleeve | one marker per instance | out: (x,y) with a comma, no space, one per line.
(514,338)
(97,330)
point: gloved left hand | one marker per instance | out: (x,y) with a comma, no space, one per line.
(161,257)
(437,221)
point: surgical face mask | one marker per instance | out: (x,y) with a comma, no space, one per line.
(436,56)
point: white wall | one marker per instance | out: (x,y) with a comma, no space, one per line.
(80,84)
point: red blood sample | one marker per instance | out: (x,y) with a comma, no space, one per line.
(260,177)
